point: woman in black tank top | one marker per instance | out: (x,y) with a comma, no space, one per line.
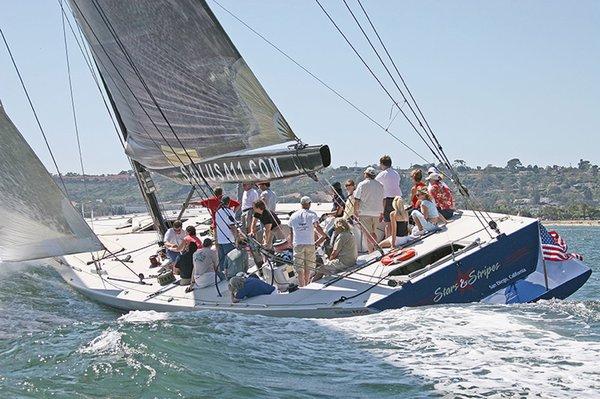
(399,229)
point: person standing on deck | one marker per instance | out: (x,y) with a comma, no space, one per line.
(271,224)
(173,239)
(249,197)
(267,195)
(304,222)
(213,203)
(368,204)
(227,234)
(390,179)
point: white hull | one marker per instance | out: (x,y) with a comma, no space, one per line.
(118,287)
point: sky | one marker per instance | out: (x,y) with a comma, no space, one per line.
(495,79)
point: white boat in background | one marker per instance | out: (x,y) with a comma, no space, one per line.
(188,107)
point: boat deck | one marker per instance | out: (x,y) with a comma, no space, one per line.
(118,286)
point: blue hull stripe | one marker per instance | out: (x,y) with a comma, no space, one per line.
(474,277)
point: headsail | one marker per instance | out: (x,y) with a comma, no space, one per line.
(175,54)
(38,221)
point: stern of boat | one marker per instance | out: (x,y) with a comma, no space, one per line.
(474,275)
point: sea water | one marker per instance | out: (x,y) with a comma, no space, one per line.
(56,343)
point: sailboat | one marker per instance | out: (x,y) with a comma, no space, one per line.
(188,107)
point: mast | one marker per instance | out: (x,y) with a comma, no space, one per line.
(145,182)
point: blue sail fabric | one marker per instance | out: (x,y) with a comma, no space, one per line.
(37,220)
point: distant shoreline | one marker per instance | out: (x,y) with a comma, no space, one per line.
(572,222)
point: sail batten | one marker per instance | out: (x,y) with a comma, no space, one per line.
(38,221)
(177,81)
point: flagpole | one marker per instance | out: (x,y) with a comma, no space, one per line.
(542,255)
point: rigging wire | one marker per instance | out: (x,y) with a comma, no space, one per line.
(448,165)
(89,64)
(440,156)
(468,199)
(138,74)
(75,124)
(322,82)
(37,119)
(387,92)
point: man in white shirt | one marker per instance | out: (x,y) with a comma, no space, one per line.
(267,195)
(227,234)
(368,204)
(391,188)
(303,224)
(249,197)
(173,239)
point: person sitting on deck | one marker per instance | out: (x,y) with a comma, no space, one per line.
(304,223)
(441,194)
(339,200)
(206,264)
(213,203)
(349,205)
(248,287)
(188,246)
(417,176)
(399,226)
(344,253)
(173,238)
(428,217)
(270,222)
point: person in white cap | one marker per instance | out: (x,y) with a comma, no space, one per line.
(390,179)
(368,204)
(441,195)
(303,223)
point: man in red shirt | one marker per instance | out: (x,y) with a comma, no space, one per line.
(441,194)
(213,204)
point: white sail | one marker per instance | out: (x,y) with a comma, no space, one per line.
(37,220)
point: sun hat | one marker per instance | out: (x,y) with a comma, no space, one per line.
(371,171)
(305,200)
(431,170)
(433,176)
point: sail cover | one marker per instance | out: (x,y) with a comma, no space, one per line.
(174,53)
(38,221)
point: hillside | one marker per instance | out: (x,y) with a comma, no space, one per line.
(553,192)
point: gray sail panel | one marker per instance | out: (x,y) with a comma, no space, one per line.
(38,221)
(177,51)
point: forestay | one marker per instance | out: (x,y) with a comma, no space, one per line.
(183,92)
(38,221)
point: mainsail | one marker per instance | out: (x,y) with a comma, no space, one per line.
(38,221)
(184,93)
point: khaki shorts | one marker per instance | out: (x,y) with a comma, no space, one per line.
(332,267)
(305,257)
(370,223)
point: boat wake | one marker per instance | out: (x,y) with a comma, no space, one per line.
(53,341)
(482,350)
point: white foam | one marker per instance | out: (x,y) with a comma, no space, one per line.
(109,342)
(481,350)
(142,316)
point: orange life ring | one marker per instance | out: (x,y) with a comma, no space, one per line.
(397,257)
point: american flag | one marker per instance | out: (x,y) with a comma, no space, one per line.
(554,247)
